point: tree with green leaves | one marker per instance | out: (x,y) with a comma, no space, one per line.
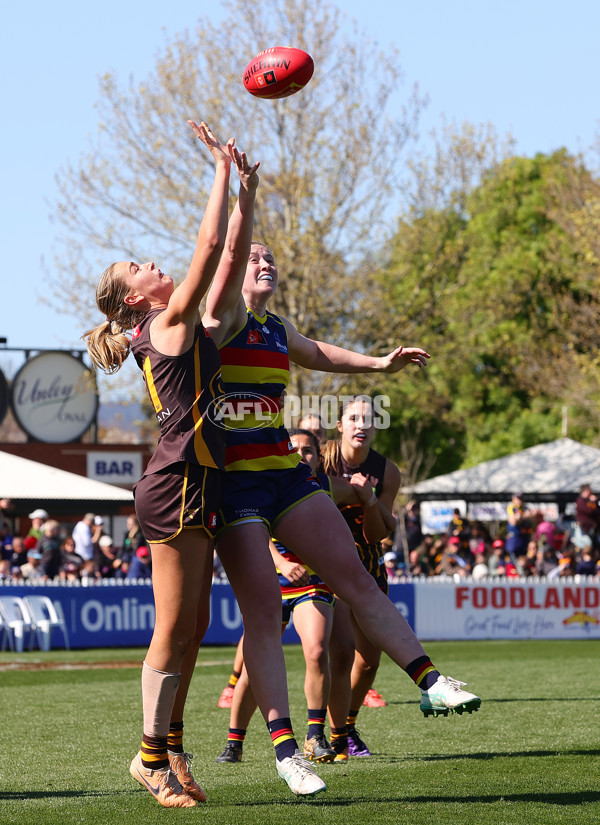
(329,161)
(498,287)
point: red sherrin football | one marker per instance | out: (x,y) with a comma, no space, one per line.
(278,72)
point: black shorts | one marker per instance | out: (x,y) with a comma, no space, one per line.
(180,497)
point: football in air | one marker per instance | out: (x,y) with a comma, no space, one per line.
(278,72)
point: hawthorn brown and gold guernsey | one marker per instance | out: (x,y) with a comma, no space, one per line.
(373,468)
(256,370)
(181,389)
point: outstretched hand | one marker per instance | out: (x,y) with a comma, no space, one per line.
(362,487)
(248,177)
(401,356)
(221,154)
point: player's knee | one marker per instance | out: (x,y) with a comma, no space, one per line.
(317,657)
(361,593)
(260,623)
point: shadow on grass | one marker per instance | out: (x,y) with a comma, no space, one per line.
(21,795)
(566,799)
(481,757)
(575,798)
(485,756)
(523,700)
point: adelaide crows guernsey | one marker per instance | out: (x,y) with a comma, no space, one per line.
(184,390)
(256,369)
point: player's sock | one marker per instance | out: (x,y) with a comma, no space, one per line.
(233,679)
(283,737)
(351,719)
(158,694)
(422,672)
(339,739)
(236,736)
(316,722)
(175,737)
(154,752)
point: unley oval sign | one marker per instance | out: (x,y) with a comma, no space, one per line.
(54,397)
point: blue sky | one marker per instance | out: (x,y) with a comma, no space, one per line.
(528,66)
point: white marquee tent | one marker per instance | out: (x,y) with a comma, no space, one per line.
(30,484)
(551,472)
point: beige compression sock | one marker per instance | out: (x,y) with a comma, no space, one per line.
(158,694)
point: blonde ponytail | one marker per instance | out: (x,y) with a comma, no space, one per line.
(107,344)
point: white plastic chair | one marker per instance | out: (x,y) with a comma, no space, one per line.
(45,615)
(6,635)
(16,616)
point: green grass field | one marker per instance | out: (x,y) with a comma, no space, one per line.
(530,755)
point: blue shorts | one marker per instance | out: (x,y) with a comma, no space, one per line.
(313,594)
(264,495)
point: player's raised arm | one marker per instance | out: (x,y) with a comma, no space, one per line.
(185,300)
(225,307)
(318,355)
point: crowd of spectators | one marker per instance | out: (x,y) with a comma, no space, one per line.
(84,553)
(526,544)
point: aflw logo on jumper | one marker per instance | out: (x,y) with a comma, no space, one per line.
(230,411)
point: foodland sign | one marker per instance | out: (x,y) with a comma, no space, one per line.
(519,609)
(54,397)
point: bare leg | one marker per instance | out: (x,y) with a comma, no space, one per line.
(238,661)
(226,696)
(331,552)
(178,577)
(179,760)
(179,584)
(244,553)
(341,656)
(364,668)
(244,704)
(313,621)
(191,655)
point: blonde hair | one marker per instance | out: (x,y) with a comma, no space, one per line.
(107,344)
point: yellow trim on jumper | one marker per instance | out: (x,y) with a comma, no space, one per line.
(151,386)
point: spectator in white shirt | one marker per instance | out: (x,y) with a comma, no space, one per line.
(85,533)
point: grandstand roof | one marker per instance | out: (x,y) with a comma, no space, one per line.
(547,472)
(31,484)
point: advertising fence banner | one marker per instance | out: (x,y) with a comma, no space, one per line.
(514,609)
(121,614)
